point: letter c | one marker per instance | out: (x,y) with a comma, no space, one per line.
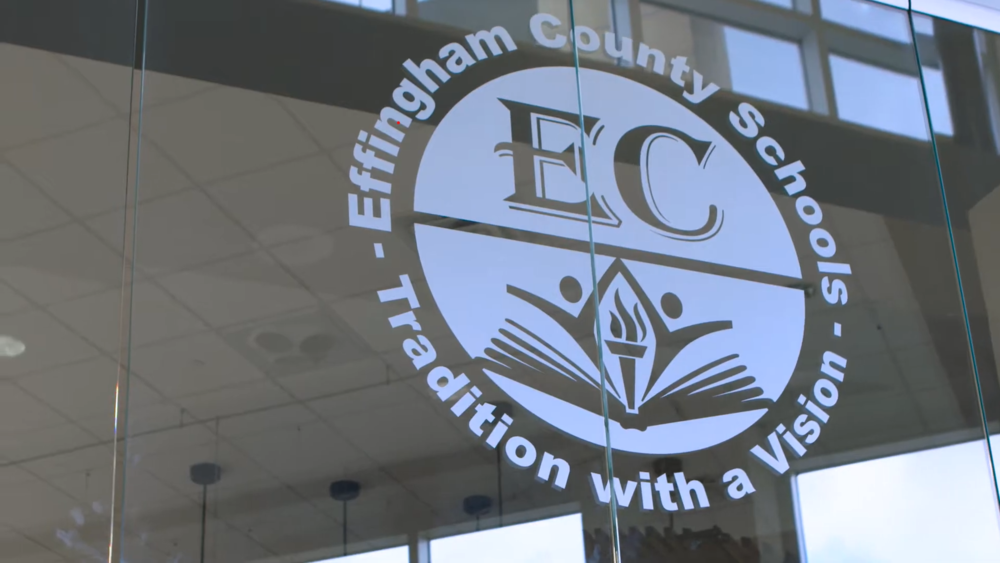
(536,23)
(765,143)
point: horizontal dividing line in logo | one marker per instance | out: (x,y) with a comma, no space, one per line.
(556,241)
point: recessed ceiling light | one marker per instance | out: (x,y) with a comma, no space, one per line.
(10,347)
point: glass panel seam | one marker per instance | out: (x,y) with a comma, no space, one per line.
(613,504)
(955,265)
(130,208)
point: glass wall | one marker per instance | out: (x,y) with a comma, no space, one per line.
(65,114)
(388,281)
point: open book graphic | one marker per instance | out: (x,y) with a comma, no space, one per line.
(636,347)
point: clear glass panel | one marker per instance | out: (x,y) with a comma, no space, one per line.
(778,298)
(755,64)
(378,266)
(877,97)
(969,70)
(65,101)
(869,17)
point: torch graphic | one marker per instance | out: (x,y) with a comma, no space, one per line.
(626,345)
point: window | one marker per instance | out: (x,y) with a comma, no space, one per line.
(766,68)
(869,17)
(877,97)
(394,555)
(923,25)
(375,5)
(780,3)
(937,100)
(893,509)
(557,540)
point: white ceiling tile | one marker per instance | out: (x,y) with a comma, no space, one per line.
(448,351)
(242,289)
(96,317)
(173,467)
(155,316)
(417,135)
(101,427)
(174,438)
(939,410)
(94,457)
(78,390)
(304,340)
(228,544)
(192,365)
(873,420)
(87,486)
(288,201)
(47,344)
(60,264)
(34,503)
(402,431)
(378,397)
(176,232)
(268,420)
(879,271)
(43,442)
(26,209)
(142,419)
(85,389)
(11,301)
(370,319)
(903,328)
(921,368)
(332,126)
(856,227)
(92,171)
(20,412)
(145,493)
(279,520)
(114,82)
(320,262)
(309,450)
(234,400)
(339,379)
(50,98)
(19,549)
(226,131)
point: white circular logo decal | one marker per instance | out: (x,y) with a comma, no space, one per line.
(697,333)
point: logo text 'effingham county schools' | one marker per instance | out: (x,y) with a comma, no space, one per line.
(689,315)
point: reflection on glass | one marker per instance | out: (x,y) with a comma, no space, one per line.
(923,25)
(877,97)
(556,540)
(766,67)
(394,555)
(376,5)
(937,101)
(868,17)
(782,3)
(946,490)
